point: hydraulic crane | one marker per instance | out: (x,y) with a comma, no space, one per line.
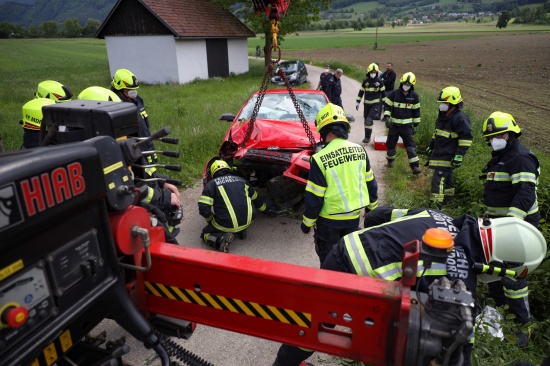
(76,249)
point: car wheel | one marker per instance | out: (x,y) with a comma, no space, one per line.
(283,189)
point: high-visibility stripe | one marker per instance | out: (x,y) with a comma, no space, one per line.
(222,303)
(206,200)
(315,189)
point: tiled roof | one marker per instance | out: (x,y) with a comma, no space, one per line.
(197,18)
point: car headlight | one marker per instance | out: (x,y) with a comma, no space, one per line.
(293,76)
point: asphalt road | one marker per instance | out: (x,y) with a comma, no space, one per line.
(278,239)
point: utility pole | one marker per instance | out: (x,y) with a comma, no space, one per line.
(376,37)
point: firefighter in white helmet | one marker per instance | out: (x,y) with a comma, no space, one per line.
(487,249)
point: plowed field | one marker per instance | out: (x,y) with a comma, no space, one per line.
(508,73)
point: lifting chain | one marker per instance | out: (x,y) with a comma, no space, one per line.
(265,83)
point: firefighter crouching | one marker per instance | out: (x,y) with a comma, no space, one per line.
(511,178)
(340,183)
(378,251)
(450,141)
(234,202)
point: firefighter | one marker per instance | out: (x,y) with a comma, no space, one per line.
(53,90)
(234,202)
(378,251)
(159,200)
(450,141)
(32,119)
(372,90)
(340,183)
(98,93)
(511,178)
(125,84)
(47,89)
(402,116)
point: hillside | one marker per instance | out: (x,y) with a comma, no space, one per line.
(36,12)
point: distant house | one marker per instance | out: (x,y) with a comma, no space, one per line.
(174,41)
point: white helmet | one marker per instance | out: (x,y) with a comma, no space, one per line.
(516,244)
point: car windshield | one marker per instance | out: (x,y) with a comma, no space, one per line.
(280,106)
(288,66)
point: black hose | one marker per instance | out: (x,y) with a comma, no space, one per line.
(183,355)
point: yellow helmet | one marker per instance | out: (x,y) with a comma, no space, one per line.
(500,122)
(218,165)
(32,113)
(408,77)
(53,90)
(124,79)
(99,93)
(329,114)
(450,94)
(373,68)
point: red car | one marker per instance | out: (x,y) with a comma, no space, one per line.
(276,155)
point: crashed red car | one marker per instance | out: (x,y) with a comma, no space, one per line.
(276,154)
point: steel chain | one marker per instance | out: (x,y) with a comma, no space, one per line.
(309,134)
(261,94)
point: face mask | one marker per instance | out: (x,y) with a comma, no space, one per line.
(327,70)
(372,75)
(443,107)
(498,144)
(406,88)
(132,93)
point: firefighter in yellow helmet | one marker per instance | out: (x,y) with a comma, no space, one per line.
(32,119)
(98,93)
(372,91)
(402,116)
(54,90)
(450,141)
(229,204)
(340,183)
(511,178)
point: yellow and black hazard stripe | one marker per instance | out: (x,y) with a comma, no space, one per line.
(249,308)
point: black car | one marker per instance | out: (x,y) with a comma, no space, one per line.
(296,73)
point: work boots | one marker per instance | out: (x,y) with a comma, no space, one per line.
(390,163)
(224,241)
(368,133)
(415,169)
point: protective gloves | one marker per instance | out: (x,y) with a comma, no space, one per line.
(457,161)
(429,151)
(357,106)
(305,229)
(388,121)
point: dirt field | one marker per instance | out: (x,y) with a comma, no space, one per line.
(507,73)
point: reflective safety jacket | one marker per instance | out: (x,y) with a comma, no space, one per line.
(403,109)
(232,201)
(340,183)
(372,89)
(452,136)
(378,251)
(511,182)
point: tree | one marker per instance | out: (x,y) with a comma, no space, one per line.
(49,29)
(72,28)
(91,27)
(503,20)
(32,31)
(300,12)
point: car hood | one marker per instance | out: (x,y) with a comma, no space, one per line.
(272,133)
